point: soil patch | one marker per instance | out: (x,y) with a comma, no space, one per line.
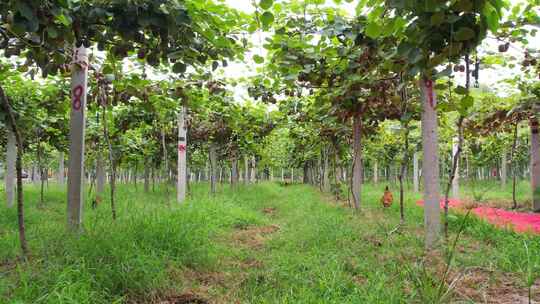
(186,298)
(269,210)
(254,236)
(485,286)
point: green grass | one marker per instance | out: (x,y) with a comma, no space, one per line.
(320,253)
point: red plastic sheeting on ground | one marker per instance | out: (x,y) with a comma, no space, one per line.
(518,221)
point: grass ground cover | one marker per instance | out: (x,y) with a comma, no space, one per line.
(262,243)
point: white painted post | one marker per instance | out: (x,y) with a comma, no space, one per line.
(430,164)
(36,174)
(292,175)
(455,181)
(220,174)
(182,161)
(254,170)
(79,77)
(282,175)
(9,177)
(246,169)
(376,172)
(415,172)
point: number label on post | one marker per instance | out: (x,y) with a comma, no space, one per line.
(77,94)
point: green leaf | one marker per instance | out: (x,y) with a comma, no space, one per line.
(179,68)
(25,10)
(466,102)
(63,19)
(492,17)
(51,31)
(373,30)
(175,55)
(437,18)
(267,18)
(258,59)
(461,90)
(464,33)
(266,4)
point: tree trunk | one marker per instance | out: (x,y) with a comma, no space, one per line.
(134,176)
(247,170)
(454,172)
(100,178)
(403,170)
(212,153)
(79,78)
(503,168)
(337,169)
(455,180)
(306,173)
(430,164)
(325,179)
(234,169)
(18,168)
(181,179)
(357,160)
(514,167)
(415,172)
(61,168)
(165,173)
(146,176)
(535,164)
(112,161)
(11,158)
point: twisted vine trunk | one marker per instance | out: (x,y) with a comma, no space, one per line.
(514,166)
(112,162)
(18,169)
(100,178)
(452,181)
(165,173)
(213,167)
(504,174)
(535,164)
(146,176)
(61,168)
(415,173)
(247,170)
(234,169)
(357,160)
(11,158)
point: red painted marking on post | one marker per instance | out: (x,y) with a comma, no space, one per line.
(181,147)
(77,94)
(429,87)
